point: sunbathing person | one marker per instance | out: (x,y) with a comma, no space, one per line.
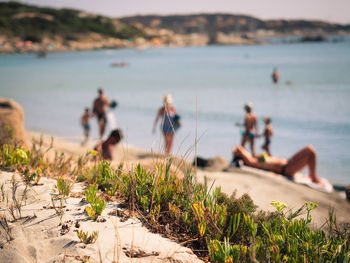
(304,157)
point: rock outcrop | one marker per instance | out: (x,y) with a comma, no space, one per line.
(12,123)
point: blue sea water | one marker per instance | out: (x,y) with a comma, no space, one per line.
(209,86)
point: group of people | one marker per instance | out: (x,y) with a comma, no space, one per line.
(170,122)
(99,110)
(306,157)
(250,132)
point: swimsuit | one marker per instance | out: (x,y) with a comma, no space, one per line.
(102,116)
(283,171)
(251,134)
(168,123)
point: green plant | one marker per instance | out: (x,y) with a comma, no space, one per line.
(63,187)
(97,205)
(15,205)
(12,157)
(59,195)
(87,238)
(225,252)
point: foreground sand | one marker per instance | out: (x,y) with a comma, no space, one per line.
(39,238)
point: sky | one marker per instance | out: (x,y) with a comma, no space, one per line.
(337,11)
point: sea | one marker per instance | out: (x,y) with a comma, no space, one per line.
(209,85)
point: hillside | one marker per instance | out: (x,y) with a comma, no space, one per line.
(33,23)
(229,23)
(27,28)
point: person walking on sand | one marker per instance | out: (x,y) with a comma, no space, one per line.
(100,107)
(86,126)
(305,157)
(275,76)
(267,135)
(167,113)
(250,127)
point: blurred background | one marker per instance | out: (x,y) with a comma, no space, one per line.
(213,57)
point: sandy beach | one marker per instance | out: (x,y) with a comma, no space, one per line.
(38,237)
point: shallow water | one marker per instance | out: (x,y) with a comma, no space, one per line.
(314,109)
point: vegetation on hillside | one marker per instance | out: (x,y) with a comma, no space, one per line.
(32,23)
(229,23)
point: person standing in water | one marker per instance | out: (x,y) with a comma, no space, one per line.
(267,135)
(250,127)
(167,113)
(100,107)
(275,76)
(86,126)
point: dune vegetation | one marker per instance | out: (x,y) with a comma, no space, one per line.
(217,227)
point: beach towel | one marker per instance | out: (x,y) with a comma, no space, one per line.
(326,186)
(299,178)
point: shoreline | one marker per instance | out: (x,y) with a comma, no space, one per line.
(97,42)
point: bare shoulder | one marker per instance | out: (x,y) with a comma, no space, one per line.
(160,110)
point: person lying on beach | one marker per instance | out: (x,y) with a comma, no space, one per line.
(105,148)
(267,135)
(304,157)
(250,127)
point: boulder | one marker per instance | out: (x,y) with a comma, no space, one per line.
(12,123)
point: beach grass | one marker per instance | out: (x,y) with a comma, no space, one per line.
(217,227)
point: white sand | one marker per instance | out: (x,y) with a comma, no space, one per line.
(37,237)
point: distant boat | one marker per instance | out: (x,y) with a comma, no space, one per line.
(120,64)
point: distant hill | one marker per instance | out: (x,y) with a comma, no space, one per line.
(32,23)
(28,28)
(229,23)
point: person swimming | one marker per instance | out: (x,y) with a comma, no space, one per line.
(275,76)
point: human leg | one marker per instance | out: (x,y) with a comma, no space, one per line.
(169,142)
(252,147)
(101,124)
(305,157)
(244,140)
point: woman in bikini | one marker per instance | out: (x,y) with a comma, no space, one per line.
(305,157)
(167,113)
